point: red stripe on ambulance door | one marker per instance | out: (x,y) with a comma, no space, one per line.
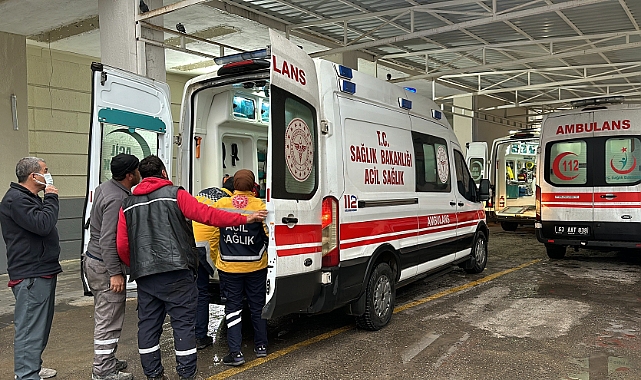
(566,197)
(299,234)
(377,227)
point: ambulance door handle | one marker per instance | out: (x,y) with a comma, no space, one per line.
(608,196)
(461,204)
(290,220)
(452,203)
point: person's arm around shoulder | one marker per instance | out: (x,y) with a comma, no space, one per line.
(40,221)
(122,238)
(194,210)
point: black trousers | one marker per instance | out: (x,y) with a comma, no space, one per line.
(172,293)
(252,286)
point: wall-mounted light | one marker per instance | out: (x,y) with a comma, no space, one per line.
(14,111)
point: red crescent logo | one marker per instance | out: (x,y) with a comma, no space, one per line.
(634,165)
(557,170)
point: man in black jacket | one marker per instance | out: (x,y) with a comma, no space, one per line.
(33,250)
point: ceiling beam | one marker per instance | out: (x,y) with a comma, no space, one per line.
(520,43)
(465,24)
(524,61)
(66,31)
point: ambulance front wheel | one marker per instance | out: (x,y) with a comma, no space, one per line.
(478,260)
(555,251)
(380,297)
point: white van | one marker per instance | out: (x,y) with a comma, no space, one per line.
(365,183)
(589,178)
(512,172)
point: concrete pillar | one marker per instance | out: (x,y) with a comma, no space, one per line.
(14,144)
(118,45)
(463,124)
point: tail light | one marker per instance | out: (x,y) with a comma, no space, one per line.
(538,203)
(331,254)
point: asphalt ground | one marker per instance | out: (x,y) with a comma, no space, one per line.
(524,317)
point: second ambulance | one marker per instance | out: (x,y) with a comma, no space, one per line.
(589,177)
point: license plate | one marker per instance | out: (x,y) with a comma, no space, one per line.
(572,230)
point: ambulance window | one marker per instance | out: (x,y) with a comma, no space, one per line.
(567,163)
(432,163)
(294,146)
(622,160)
(243,108)
(464,182)
(264,111)
(117,139)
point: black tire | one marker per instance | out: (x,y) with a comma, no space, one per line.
(509,226)
(478,260)
(555,252)
(380,297)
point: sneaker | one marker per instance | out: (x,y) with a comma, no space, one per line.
(121,365)
(158,377)
(234,359)
(47,373)
(114,376)
(261,351)
(204,342)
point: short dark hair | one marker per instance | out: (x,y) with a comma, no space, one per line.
(26,166)
(151,166)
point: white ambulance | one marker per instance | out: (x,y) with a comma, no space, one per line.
(589,178)
(365,183)
(512,172)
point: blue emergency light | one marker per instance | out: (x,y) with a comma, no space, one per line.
(438,115)
(348,87)
(410,89)
(345,72)
(405,103)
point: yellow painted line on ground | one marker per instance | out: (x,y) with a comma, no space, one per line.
(275,355)
(462,287)
(278,354)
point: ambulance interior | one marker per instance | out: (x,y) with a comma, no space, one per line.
(516,168)
(230,133)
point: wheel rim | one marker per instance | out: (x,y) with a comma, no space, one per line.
(382,296)
(479,252)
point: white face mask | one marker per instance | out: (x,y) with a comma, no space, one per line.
(48,179)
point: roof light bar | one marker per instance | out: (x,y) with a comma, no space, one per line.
(256,54)
(597,101)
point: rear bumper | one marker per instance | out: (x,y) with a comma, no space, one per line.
(520,219)
(585,243)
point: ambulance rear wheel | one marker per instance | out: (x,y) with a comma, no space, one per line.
(555,251)
(509,226)
(380,298)
(477,262)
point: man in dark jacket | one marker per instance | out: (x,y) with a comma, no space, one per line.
(104,271)
(156,240)
(33,250)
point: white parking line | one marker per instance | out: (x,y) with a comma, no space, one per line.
(416,349)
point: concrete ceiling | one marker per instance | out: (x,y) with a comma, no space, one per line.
(537,54)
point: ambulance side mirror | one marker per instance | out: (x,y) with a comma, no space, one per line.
(484,190)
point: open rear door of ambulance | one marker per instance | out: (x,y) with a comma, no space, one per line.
(294,199)
(130,114)
(476,160)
